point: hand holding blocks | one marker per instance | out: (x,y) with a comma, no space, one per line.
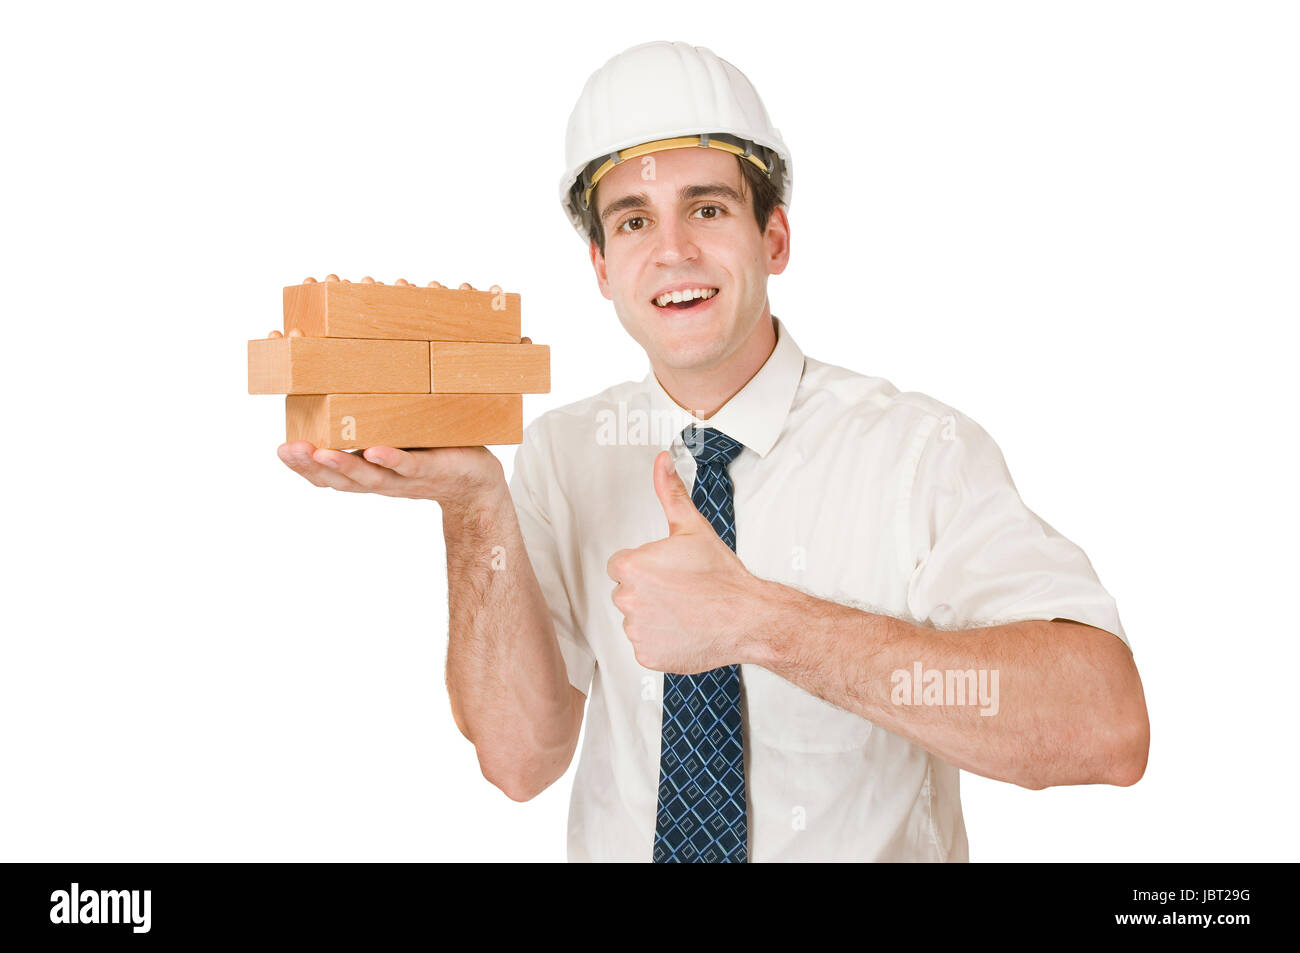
(367,364)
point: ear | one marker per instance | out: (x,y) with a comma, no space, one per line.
(682,515)
(776,241)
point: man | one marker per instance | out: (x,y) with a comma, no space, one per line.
(793,658)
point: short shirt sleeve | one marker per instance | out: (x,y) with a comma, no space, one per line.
(545,535)
(983,557)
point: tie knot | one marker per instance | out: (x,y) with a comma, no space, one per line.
(709,446)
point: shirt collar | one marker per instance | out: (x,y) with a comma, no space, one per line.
(756,414)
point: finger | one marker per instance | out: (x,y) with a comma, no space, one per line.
(297,456)
(359,471)
(616,568)
(399,461)
(682,515)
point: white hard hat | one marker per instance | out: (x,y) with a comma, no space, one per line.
(664,95)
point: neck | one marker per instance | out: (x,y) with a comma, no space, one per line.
(704,391)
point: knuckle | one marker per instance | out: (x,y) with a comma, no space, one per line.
(408,467)
(362,475)
(368,477)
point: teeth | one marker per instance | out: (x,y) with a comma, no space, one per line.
(675,296)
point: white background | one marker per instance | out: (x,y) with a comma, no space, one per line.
(1075,222)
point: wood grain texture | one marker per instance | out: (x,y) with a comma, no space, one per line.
(396,312)
(461,368)
(337,365)
(407,421)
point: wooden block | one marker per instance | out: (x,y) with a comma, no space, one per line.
(458,368)
(338,309)
(357,421)
(337,365)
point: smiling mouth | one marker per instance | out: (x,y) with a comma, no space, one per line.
(685,300)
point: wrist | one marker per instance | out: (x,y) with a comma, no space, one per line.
(768,641)
(475,510)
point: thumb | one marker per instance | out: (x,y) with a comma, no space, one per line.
(682,515)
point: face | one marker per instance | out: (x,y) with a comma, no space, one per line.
(686,222)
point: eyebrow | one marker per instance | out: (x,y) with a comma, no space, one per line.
(687,192)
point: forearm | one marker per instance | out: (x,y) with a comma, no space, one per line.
(1064,702)
(507,681)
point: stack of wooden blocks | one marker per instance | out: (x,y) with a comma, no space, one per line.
(367,364)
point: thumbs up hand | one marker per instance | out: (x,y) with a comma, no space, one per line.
(688,603)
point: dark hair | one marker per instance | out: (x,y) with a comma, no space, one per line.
(764,192)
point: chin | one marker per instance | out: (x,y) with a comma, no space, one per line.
(683,344)
(692,351)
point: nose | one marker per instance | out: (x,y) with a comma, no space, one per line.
(674,243)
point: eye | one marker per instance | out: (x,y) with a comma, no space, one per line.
(629,221)
(718,209)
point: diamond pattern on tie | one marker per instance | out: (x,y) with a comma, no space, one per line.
(701,813)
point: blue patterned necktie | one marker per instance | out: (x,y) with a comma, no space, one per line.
(701,815)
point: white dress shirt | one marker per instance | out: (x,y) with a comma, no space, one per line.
(846,489)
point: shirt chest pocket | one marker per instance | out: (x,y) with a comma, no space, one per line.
(782,715)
